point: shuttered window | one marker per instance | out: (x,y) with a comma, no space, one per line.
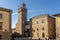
(0,16)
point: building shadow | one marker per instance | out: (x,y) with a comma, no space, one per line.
(5,34)
(15,35)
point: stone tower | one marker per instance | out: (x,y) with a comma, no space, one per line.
(22,18)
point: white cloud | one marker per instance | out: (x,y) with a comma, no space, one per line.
(33,10)
(14,24)
(14,19)
(14,14)
(29,11)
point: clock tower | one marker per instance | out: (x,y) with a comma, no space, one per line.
(22,19)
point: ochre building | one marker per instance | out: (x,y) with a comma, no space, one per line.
(5,24)
(43,27)
(57,25)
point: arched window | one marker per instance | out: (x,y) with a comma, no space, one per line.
(43,28)
(37,29)
(43,35)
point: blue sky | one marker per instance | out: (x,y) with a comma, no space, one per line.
(35,7)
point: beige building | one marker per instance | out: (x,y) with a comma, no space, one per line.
(5,24)
(22,20)
(43,27)
(57,25)
(13,30)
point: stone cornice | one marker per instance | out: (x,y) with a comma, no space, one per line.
(56,14)
(5,9)
(44,15)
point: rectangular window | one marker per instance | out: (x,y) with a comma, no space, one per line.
(0,25)
(0,16)
(42,21)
